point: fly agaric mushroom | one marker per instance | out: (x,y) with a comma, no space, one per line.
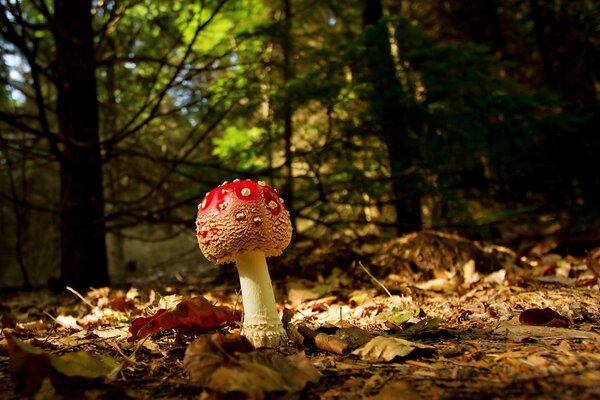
(246,221)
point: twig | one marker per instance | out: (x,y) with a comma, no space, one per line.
(375,279)
(70,289)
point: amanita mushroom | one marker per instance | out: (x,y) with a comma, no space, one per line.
(244,222)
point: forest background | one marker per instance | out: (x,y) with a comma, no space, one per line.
(374,118)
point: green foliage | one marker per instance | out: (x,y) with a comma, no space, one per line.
(239,147)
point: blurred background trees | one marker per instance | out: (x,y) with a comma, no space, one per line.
(372,117)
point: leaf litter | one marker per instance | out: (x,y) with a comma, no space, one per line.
(424,316)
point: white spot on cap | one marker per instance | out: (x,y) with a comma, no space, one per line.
(222,206)
(203,204)
(261,183)
(257,220)
(236,180)
(246,192)
(272,204)
(224,191)
(240,215)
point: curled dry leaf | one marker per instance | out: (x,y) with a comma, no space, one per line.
(194,315)
(208,352)
(543,317)
(229,364)
(29,366)
(331,343)
(387,348)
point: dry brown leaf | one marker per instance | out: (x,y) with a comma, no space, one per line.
(323,341)
(298,293)
(262,372)
(520,333)
(29,366)
(229,364)
(387,348)
(208,352)
(396,390)
(354,336)
(543,317)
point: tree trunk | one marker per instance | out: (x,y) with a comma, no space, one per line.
(288,129)
(83,248)
(543,41)
(387,107)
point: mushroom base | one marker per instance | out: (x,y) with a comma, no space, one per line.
(271,336)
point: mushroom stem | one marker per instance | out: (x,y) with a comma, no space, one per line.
(261,326)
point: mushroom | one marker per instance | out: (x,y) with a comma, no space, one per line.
(246,221)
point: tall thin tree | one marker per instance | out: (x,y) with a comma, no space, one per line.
(83,248)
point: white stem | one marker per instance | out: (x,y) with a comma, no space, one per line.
(261,325)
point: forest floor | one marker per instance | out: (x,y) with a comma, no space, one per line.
(425,316)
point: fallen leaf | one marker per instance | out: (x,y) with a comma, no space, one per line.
(29,366)
(383,348)
(520,333)
(422,327)
(194,315)
(497,277)
(441,284)
(261,372)
(398,316)
(68,322)
(323,341)
(469,273)
(396,390)
(299,293)
(84,365)
(543,317)
(556,279)
(230,364)
(208,352)
(354,336)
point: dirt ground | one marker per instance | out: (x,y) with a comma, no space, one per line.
(427,316)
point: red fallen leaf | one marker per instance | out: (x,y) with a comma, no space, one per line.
(122,304)
(543,317)
(140,322)
(196,315)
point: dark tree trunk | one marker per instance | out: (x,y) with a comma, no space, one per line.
(83,247)
(288,129)
(543,41)
(389,112)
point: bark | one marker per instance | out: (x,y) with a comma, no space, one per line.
(386,105)
(288,129)
(543,41)
(83,248)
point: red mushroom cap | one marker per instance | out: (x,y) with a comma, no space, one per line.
(242,216)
